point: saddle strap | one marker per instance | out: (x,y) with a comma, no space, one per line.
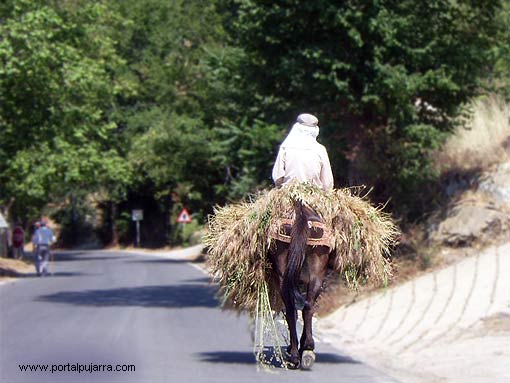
(319,235)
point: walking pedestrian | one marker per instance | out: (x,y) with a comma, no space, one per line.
(43,238)
(18,242)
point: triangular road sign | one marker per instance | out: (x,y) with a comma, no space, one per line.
(184,217)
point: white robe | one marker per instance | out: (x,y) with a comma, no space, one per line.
(301,157)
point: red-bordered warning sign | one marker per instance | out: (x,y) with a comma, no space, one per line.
(184,216)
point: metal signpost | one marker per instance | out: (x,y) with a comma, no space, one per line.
(137,216)
(183,218)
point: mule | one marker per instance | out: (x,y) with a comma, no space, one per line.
(298,263)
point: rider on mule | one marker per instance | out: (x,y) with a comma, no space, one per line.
(273,253)
(301,157)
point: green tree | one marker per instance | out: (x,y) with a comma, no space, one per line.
(386,78)
(188,131)
(60,77)
(245,152)
(500,76)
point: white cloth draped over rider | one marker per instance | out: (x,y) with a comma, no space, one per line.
(301,157)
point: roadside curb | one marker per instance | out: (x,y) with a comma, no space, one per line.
(192,253)
(433,317)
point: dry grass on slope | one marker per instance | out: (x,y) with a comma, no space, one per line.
(483,141)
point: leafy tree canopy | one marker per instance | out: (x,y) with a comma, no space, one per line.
(59,77)
(386,77)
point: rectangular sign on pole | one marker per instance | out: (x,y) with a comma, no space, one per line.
(137,215)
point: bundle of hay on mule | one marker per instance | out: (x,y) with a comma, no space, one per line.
(260,251)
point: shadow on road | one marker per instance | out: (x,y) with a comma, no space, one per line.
(56,274)
(238,357)
(199,280)
(69,274)
(72,257)
(162,260)
(228,357)
(173,296)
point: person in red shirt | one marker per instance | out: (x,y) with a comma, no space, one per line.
(18,242)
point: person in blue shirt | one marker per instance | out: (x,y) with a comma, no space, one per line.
(43,238)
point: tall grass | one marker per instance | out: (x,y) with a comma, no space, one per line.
(483,140)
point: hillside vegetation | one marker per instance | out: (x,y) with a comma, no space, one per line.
(471,210)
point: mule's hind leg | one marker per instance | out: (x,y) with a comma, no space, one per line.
(317,266)
(278,258)
(291,316)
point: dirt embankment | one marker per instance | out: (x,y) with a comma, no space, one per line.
(13,268)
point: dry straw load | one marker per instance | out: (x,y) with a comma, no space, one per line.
(238,240)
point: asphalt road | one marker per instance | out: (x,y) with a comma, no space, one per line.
(102,309)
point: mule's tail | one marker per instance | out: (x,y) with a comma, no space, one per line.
(296,258)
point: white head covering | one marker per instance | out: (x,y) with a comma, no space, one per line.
(303,133)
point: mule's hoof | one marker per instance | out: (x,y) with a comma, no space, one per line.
(294,364)
(307,359)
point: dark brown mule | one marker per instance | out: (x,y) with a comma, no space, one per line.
(294,263)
